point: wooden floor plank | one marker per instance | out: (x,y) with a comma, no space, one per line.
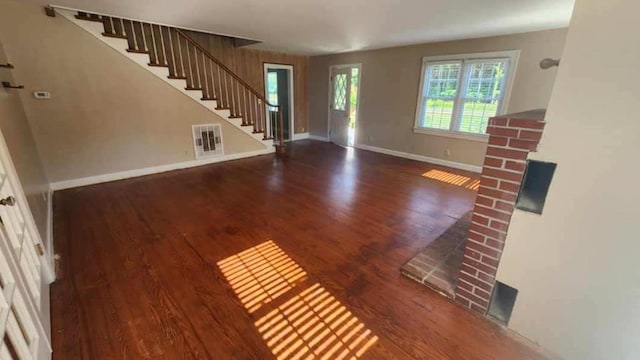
(142,260)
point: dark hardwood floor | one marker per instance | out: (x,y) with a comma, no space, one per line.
(158,267)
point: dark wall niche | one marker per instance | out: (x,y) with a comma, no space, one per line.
(535,186)
(502,301)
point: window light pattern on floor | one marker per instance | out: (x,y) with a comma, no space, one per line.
(453,179)
(297,321)
(314,325)
(260,274)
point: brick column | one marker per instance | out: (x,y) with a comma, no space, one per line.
(511,138)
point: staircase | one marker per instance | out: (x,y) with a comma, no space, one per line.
(173,56)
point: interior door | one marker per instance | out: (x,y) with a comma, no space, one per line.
(24,271)
(339,105)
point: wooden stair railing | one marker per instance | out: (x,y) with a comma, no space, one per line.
(187,60)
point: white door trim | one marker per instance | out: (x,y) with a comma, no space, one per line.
(330,100)
(268,66)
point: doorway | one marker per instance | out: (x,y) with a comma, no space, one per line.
(344,99)
(278,85)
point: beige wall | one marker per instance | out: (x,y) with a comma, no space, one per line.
(389,91)
(106,114)
(17,135)
(576,265)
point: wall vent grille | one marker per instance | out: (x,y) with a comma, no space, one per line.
(207,140)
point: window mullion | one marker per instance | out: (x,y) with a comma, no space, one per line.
(503,87)
(457,103)
(426,78)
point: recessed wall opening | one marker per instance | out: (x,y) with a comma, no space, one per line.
(278,85)
(535,186)
(502,302)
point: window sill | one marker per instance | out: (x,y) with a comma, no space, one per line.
(453,134)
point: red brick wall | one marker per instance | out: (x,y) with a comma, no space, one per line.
(510,141)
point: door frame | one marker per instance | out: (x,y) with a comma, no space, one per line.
(289,67)
(330,99)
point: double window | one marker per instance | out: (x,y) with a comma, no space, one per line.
(458,94)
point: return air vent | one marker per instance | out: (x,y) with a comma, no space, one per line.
(207,140)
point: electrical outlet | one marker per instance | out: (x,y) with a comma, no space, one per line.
(370,138)
(447,152)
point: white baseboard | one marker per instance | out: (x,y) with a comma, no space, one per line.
(427,159)
(300,136)
(67,184)
(319,138)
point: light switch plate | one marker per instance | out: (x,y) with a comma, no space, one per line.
(41,95)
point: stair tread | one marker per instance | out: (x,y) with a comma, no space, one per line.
(87,18)
(114,36)
(179,77)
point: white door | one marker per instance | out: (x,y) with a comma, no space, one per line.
(24,271)
(339,105)
(24,307)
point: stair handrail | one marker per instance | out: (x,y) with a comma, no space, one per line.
(118,29)
(224,67)
(256,93)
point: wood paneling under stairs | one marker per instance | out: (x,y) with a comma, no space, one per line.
(154,267)
(249,64)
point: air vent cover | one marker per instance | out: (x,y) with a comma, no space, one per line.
(207,140)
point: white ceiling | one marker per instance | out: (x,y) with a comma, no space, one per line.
(328,26)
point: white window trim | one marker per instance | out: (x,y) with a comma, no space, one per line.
(513,56)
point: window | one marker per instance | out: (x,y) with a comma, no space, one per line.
(340,92)
(272,89)
(458,94)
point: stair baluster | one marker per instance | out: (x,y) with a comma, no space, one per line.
(164,52)
(144,38)
(182,73)
(173,56)
(124,33)
(190,82)
(153,42)
(188,60)
(135,38)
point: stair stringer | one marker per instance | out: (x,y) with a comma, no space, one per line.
(120,45)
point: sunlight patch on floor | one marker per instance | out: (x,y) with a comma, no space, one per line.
(307,322)
(453,179)
(313,324)
(260,274)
